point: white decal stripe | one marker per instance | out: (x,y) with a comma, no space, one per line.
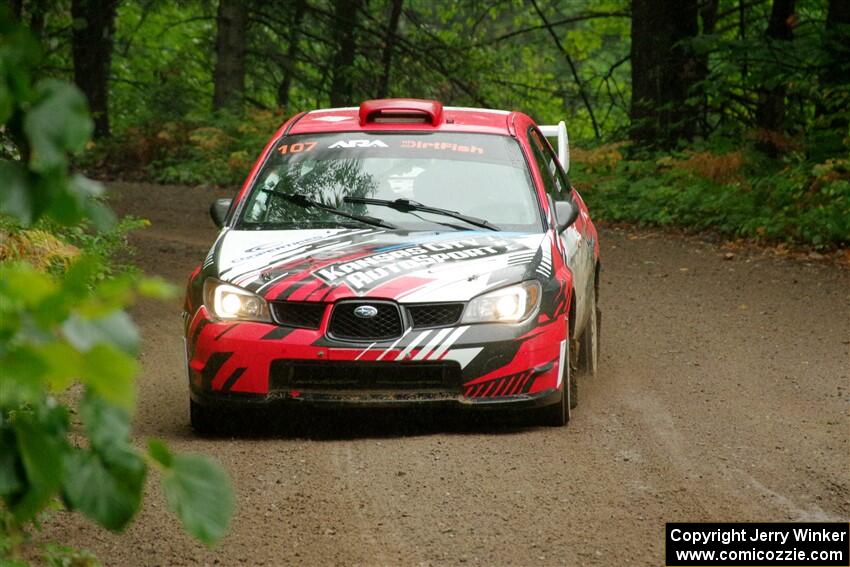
(276,252)
(432,344)
(365,351)
(449,342)
(253,266)
(463,356)
(290,256)
(561,363)
(303,254)
(288,259)
(412,344)
(392,346)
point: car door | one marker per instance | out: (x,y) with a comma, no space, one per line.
(576,246)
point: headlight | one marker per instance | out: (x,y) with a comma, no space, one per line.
(226,301)
(507,305)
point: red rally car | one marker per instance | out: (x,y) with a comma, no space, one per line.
(400,252)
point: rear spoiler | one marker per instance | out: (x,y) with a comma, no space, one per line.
(559,131)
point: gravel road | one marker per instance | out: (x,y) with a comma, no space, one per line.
(723,395)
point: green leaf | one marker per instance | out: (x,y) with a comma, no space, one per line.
(57,202)
(10,473)
(108,494)
(41,449)
(22,282)
(110,294)
(80,275)
(15,195)
(7,103)
(105,483)
(198,492)
(62,364)
(157,288)
(22,376)
(86,188)
(56,124)
(116,328)
(100,215)
(160,452)
(86,191)
(109,373)
(107,425)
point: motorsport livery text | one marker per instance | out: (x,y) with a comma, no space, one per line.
(373,270)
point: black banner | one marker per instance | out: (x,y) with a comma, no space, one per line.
(762,544)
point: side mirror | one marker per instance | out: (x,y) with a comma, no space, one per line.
(218,211)
(566,213)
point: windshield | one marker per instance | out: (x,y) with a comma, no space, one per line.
(478,175)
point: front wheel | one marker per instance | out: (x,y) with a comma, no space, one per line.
(558,414)
(590,338)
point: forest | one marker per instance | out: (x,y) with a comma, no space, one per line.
(728,115)
(722,118)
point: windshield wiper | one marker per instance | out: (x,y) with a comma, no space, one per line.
(306,203)
(406,206)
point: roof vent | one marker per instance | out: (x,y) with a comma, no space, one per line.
(401,111)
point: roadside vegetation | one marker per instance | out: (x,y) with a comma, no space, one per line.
(735,191)
(68,347)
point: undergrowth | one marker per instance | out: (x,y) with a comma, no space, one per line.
(738,192)
(194,151)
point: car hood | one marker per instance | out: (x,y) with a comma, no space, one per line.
(410,267)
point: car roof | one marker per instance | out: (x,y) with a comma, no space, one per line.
(450,119)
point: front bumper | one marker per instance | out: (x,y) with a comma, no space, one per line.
(485,365)
(236,400)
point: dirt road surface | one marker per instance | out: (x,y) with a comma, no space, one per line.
(723,395)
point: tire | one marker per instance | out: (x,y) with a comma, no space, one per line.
(590,339)
(203,420)
(558,414)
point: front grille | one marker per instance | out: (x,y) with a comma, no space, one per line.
(307,315)
(309,375)
(435,314)
(385,324)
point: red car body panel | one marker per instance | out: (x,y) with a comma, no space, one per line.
(229,357)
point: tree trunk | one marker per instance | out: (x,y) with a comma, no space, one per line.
(389,47)
(708,17)
(826,138)
(770,112)
(229,72)
(342,68)
(37,19)
(291,54)
(91,47)
(837,47)
(664,70)
(742,35)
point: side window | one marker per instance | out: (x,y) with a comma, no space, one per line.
(547,162)
(549,182)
